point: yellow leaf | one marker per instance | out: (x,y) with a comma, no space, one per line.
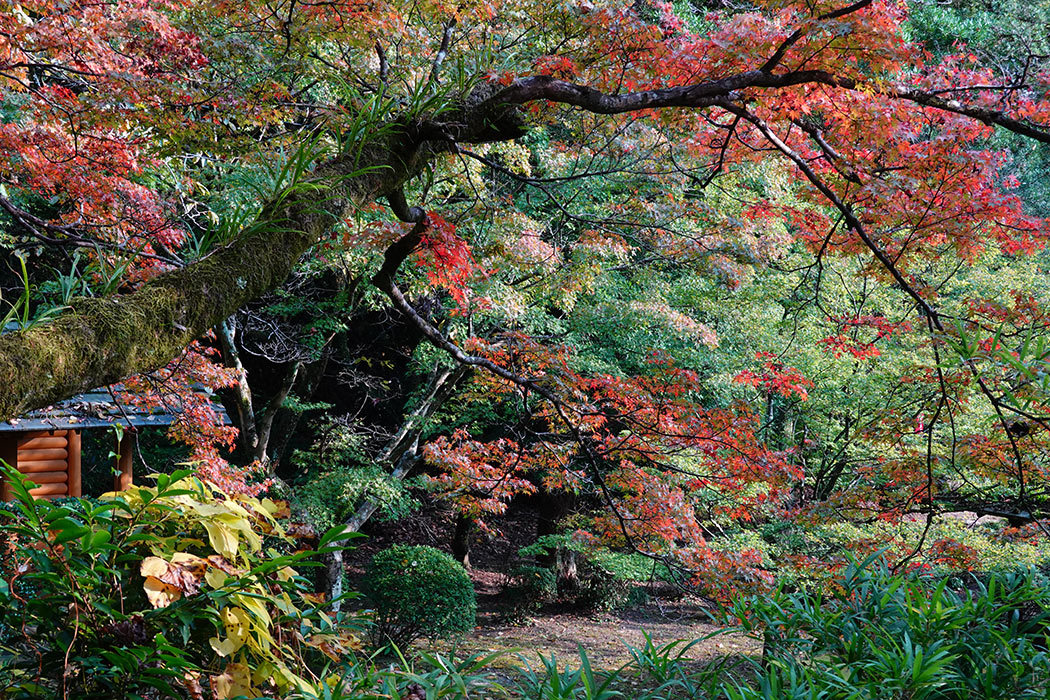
(223,647)
(209,510)
(233,682)
(235,623)
(284,603)
(215,578)
(277,509)
(222,539)
(153,566)
(184,572)
(160,594)
(257,608)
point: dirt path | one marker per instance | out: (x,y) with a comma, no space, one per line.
(556,630)
(604,636)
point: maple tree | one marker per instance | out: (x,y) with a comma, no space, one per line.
(142,134)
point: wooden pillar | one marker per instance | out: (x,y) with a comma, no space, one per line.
(123,480)
(9,454)
(73,481)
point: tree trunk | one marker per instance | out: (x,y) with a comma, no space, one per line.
(553,507)
(461,540)
(265,421)
(241,394)
(101,341)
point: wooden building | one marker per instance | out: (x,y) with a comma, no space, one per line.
(44,445)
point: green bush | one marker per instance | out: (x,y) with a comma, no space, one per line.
(637,596)
(155,592)
(340,475)
(529,589)
(418,592)
(600,590)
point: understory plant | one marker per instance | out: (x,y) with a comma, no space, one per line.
(418,592)
(883,636)
(528,589)
(173,590)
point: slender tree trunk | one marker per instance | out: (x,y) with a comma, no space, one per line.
(254,428)
(334,562)
(242,393)
(401,450)
(461,540)
(266,418)
(553,507)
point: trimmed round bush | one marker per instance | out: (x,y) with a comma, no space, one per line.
(418,592)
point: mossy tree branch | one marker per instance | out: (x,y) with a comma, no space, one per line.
(101,341)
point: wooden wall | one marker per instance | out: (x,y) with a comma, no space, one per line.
(44,458)
(49,459)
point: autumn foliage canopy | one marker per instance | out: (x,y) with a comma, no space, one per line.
(141,138)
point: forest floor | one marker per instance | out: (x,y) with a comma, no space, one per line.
(605,636)
(557,629)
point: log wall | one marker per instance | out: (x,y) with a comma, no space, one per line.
(44,459)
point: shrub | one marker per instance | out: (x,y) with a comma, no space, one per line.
(529,589)
(418,592)
(156,592)
(880,635)
(342,475)
(637,596)
(600,590)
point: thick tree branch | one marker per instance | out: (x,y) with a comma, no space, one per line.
(101,341)
(712,92)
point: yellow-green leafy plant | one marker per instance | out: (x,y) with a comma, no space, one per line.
(175,590)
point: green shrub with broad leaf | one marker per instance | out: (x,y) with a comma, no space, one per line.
(175,590)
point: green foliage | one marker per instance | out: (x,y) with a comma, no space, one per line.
(331,497)
(554,683)
(341,475)
(1013,34)
(154,592)
(880,636)
(418,592)
(436,676)
(606,577)
(429,675)
(887,636)
(668,667)
(600,590)
(529,589)
(661,662)
(18,312)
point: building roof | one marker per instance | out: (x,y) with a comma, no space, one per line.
(97,409)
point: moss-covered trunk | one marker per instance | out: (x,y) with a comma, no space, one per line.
(101,341)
